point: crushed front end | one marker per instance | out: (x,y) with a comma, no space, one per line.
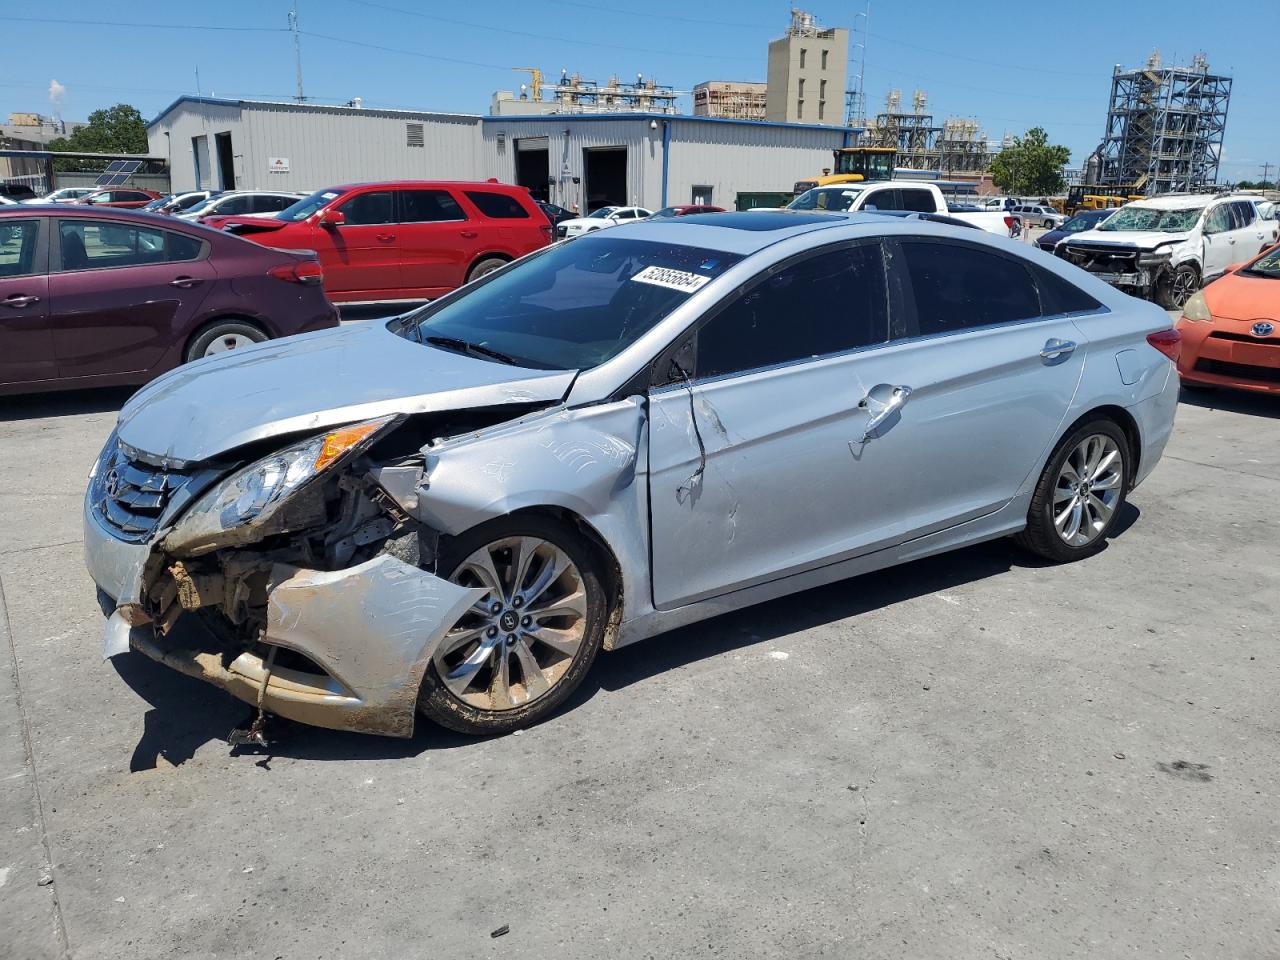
(1130,268)
(294,581)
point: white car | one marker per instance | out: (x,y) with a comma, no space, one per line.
(1166,248)
(242,203)
(602,218)
(65,195)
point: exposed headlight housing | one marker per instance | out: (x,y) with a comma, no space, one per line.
(1196,308)
(254,496)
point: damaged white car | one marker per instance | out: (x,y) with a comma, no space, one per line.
(452,512)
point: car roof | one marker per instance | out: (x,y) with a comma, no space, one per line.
(745,232)
(112,213)
(418,184)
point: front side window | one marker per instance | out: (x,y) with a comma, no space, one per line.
(90,244)
(920,201)
(234,206)
(828,303)
(958,287)
(604,213)
(18,247)
(831,199)
(497,206)
(429,206)
(369,209)
(1218,219)
(571,306)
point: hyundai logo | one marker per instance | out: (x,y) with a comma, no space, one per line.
(1263,328)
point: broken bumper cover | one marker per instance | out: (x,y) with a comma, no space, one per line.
(371,630)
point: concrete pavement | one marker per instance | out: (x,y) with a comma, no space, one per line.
(970,756)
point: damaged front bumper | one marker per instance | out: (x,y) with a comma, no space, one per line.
(365,635)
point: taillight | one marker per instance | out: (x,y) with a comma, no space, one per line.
(304,271)
(1008,222)
(1168,342)
(548,229)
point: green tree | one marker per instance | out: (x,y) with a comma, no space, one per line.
(1030,165)
(118,129)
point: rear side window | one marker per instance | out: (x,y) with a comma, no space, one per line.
(366,209)
(267,204)
(1061,296)
(829,303)
(1244,213)
(92,244)
(958,287)
(497,206)
(426,206)
(18,247)
(235,205)
(920,201)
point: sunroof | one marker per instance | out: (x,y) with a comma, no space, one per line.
(117,173)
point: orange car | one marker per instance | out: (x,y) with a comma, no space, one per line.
(1231,329)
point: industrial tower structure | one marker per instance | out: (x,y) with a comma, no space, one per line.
(1164,127)
(955,147)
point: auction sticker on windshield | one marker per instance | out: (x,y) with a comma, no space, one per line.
(671,279)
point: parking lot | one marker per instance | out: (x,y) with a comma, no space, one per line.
(970,756)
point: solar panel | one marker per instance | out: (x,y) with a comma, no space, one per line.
(118,172)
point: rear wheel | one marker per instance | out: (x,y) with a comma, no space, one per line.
(517,655)
(222,336)
(487,265)
(1079,494)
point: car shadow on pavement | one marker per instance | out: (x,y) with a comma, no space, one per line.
(1233,401)
(186,714)
(71,403)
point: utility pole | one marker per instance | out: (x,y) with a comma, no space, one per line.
(857,107)
(1266,167)
(297,51)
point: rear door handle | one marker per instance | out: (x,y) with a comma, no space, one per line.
(1055,349)
(469,234)
(19,300)
(185,282)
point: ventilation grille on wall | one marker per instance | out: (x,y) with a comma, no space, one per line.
(413,136)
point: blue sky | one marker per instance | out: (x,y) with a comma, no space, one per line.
(1010,64)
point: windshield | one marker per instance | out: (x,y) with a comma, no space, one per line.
(602,213)
(1132,218)
(826,198)
(570,306)
(201,206)
(158,203)
(1267,265)
(668,212)
(307,206)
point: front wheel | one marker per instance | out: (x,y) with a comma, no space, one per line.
(517,655)
(1080,493)
(1175,289)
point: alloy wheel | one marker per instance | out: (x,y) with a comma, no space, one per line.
(1087,491)
(230,341)
(1184,285)
(518,641)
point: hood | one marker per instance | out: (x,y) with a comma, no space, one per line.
(314,381)
(1139,239)
(1241,297)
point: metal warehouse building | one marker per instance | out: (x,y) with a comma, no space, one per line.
(649,160)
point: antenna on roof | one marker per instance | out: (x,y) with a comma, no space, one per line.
(297,51)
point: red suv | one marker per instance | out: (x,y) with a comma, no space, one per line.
(407,240)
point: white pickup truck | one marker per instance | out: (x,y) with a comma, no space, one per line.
(912,196)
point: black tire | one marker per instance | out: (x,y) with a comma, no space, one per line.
(1041,537)
(439,704)
(487,265)
(221,329)
(1175,289)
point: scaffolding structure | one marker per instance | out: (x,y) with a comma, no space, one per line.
(573,94)
(1164,127)
(956,147)
(734,100)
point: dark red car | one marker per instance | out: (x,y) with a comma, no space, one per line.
(121,198)
(92,297)
(687,210)
(406,240)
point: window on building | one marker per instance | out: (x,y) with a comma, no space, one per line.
(824,59)
(802,53)
(829,303)
(413,135)
(801,86)
(799,109)
(822,109)
(822,89)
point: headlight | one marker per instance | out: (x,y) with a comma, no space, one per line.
(105,457)
(1195,308)
(253,496)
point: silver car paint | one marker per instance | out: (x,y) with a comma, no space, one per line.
(619,465)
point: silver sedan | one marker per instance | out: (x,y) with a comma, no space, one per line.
(452,513)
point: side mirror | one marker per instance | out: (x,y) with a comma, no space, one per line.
(332,218)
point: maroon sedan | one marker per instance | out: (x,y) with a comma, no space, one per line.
(122,199)
(92,297)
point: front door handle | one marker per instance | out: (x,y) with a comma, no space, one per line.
(19,300)
(882,402)
(185,283)
(386,237)
(469,234)
(1055,349)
